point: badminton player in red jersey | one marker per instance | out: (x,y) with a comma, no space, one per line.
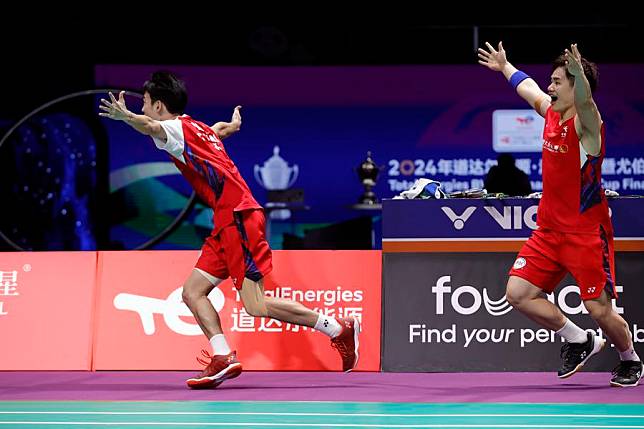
(237,246)
(574,231)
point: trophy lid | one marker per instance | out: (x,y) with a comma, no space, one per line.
(276,161)
(368,169)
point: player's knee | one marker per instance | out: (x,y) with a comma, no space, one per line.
(252,295)
(256,309)
(189,296)
(514,295)
(599,310)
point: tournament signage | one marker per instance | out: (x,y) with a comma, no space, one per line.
(444,309)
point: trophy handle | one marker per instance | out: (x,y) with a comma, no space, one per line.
(295,173)
(257,176)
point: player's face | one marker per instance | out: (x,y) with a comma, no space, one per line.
(150,109)
(560,91)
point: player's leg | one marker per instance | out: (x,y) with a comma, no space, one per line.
(195,296)
(535,272)
(531,300)
(595,274)
(249,259)
(208,274)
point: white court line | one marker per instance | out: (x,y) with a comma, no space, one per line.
(319,425)
(226,413)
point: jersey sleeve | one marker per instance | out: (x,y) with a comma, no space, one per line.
(175,143)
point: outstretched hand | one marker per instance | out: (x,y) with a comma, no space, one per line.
(236,115)
(573,61)
(492,58)
(114,109)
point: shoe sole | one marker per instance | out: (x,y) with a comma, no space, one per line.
(583,362)
(356,342)
(231,371)
(614,384)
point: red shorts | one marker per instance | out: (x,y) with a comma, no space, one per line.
(239,250)
(546,257)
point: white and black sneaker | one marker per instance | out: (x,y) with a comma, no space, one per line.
(627,374)
(576,355)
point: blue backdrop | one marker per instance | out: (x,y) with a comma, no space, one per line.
(420,121)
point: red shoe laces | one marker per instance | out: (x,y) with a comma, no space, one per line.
(340,346)
(207,355)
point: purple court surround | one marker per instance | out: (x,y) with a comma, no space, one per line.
(526,387)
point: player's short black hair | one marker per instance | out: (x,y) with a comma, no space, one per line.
(166,87)
(590,71)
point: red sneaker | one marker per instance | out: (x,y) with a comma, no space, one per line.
(218,369)
(347,342)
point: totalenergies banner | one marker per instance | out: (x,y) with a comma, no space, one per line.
(143,325)
(46,310)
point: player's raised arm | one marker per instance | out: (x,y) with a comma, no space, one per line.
(226,129)
(526,87)
(118,111)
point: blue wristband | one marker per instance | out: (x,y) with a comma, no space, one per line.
(518,77)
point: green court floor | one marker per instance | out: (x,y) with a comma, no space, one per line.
(317,415)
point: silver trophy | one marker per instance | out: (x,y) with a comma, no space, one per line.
(276,175)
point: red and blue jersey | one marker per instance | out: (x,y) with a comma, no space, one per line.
(573,198)
(201,158)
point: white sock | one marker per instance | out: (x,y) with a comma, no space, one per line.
(219,345)
(573,333)
(328,325)
(629,354)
